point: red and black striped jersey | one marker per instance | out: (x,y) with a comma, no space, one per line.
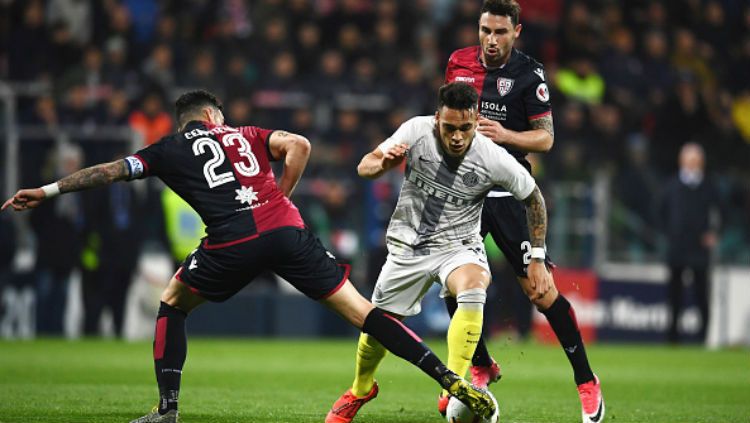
(224,173)
(513,94)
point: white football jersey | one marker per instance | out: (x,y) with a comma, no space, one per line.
(439,207)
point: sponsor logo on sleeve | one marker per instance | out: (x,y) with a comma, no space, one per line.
(540,73)
(542,92)
(466,79)
(504,85)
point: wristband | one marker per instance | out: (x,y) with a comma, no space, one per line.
(538,253)
(51,190)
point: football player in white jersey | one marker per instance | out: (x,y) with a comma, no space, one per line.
(433,235)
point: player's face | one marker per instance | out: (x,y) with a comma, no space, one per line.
(496,36)
(456,129)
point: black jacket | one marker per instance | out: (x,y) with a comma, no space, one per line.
(685,215)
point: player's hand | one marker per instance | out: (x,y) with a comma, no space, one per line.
(492,130)
(540,278)
(25,199)
(394,155)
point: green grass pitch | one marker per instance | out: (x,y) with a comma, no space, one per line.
(258,380)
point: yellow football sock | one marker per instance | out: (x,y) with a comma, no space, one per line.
(369,355)
(463,335)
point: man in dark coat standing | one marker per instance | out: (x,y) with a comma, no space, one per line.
(690,210)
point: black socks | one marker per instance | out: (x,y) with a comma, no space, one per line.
(561,317)
(170,350)
(401,341)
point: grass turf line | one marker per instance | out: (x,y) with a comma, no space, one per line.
(279,381)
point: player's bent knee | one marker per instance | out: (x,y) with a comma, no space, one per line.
(469,276)
(348,303)
(547,300)
(178,295)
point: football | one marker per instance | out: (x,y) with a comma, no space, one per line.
(457,412)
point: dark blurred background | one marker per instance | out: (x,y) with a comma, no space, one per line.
(85,81)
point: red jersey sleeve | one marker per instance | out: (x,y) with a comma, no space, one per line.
(262,135)
(464,66)
(450,69)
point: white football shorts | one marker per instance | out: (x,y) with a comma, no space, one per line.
(404,280)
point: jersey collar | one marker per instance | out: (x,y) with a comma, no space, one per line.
(194,124)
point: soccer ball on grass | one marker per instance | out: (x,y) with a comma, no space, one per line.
(457,412)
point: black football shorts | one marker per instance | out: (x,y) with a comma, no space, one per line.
(505,219)
(295,254)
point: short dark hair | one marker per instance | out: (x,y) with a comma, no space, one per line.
(192,102)
(509,8)
(457,96)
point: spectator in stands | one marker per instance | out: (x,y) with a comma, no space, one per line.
(158,67)
(581,81)
(239,76)
(386,48)
(115,219)
(622,70)
(7,251)
(634,193)
(331,76)
(683,116)
(689,58)
(61,222)
(117,72)
(31,35)
(657,74)
(62,53)
(151,120)
(308,46)
(202,73)
(76,15)
(238,110)
(117,110)
(78,108)
(741,114)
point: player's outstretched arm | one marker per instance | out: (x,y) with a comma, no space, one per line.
(539,139)
(376,163)
(295,150)
(90,177)
(536,217)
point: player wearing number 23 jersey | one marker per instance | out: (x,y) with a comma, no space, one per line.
(224,173)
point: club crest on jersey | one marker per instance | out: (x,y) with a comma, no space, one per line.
(470,179)
(504,85)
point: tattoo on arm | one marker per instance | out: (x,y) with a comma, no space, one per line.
(544,122)
(536,217)
(95,176)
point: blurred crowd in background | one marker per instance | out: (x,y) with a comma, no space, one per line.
(631,82)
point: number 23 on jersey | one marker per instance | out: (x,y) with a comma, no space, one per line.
(209,145)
